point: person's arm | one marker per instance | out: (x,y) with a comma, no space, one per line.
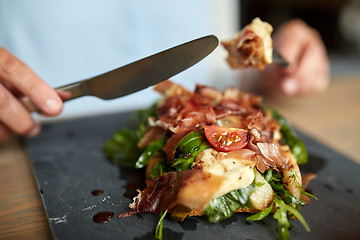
(308,71)
(16,81)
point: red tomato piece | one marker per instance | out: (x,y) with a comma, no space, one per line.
(226,139)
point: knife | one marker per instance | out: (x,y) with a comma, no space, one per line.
(140,74)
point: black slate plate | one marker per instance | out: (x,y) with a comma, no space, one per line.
(69,163)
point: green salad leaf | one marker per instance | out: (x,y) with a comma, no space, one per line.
(261,215)
(154,148)
(122,148)
(303,192)
(289,136)
(281,214)
(159,226)
(188,148)
(159,169)
(285,203)
(274,179)
(224,207)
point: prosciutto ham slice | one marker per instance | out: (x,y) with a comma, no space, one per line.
(191,188)
(251,47)
(187,112)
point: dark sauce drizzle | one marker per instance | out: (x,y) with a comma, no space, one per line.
(97,192)
(103,217)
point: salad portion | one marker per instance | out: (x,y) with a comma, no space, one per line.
(213,153)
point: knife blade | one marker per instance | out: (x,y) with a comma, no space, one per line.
(140,74)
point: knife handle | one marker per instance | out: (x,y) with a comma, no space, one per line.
(73,90)
(66,92)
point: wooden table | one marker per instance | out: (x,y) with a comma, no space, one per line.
(332,117)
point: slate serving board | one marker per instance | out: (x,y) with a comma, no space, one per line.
(68,163)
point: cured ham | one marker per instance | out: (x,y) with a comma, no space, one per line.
(191,188)
(251,47)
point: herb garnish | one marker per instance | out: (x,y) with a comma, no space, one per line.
(159,226)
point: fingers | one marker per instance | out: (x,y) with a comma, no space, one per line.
(16,81)
(17,74)
(6,134)
(308,72)
(312,73)
(14,116)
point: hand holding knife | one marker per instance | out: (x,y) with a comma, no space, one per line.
(22,91)
(140,74)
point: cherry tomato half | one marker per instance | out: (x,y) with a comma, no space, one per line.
(226,139)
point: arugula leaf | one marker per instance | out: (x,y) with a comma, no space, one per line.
(283,223)
(261,215)
(285,203)
(279,189)
(159,169)
(188,148)
(159,226)
(224,207)
(122,148)
(281,215)
(151,150)
(303,192)
(289,136)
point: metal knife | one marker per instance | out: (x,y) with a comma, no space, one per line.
(140,74)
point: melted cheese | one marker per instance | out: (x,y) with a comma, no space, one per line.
(237,173)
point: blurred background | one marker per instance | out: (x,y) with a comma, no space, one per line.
(67,41)
(338,22)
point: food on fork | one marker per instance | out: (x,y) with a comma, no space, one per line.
(251,47)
